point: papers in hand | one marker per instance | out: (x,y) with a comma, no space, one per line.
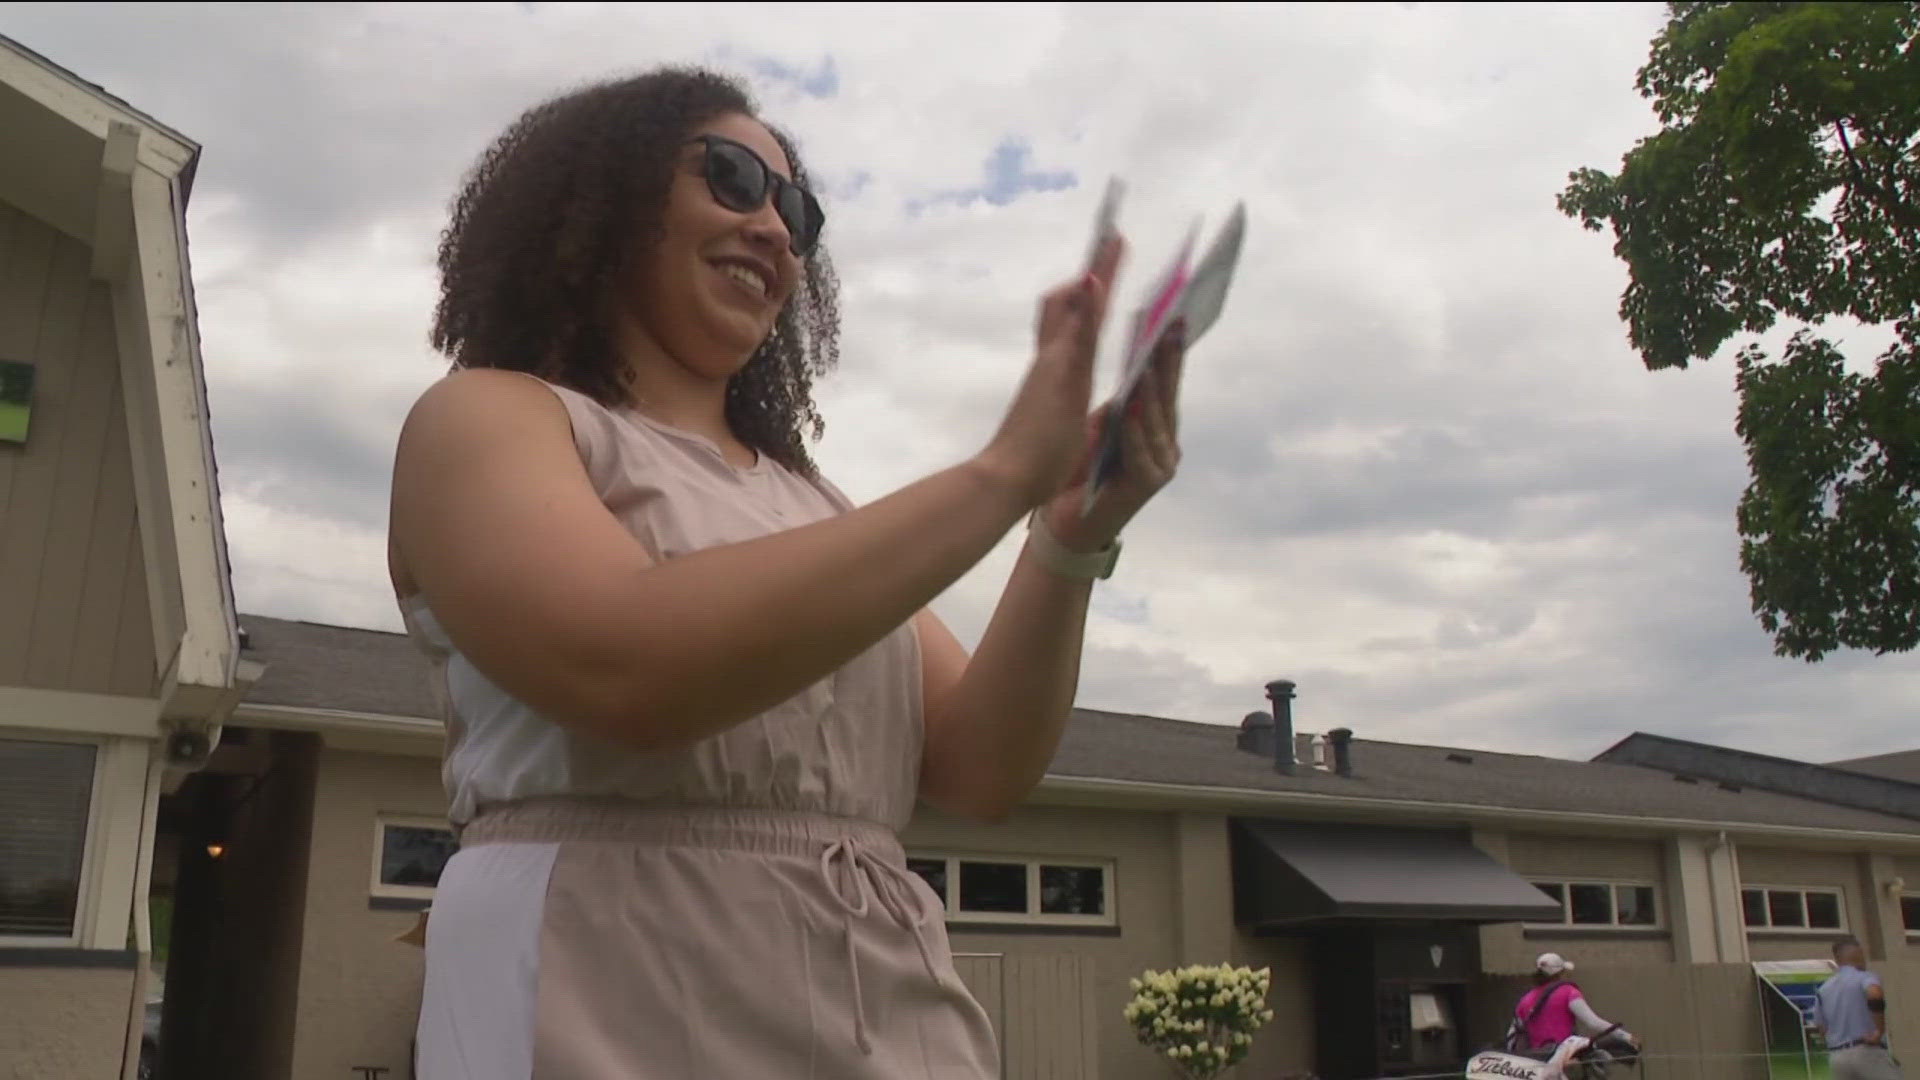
(1193,294)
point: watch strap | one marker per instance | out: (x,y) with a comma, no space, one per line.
(1090,565)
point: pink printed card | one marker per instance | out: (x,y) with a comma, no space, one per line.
(1184,292)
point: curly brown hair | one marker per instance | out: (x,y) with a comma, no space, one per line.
(557,209)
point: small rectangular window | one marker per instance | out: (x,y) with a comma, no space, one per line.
(934,873)
(1910,913)
(993,887)
(1633,905)
(1073,890)
(1591,905)
(1041,891)
(409,857)
(1786,908)
(46,797)
(1823,911)
(1596,903)
(1793,909)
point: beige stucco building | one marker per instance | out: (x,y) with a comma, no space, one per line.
(1202,849)
(275,784)
(119,658)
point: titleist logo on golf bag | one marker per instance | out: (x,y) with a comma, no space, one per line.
(1503,1067)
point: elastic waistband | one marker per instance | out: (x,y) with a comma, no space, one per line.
(772,832)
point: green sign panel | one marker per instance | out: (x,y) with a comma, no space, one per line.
(1787,988)
(16,400)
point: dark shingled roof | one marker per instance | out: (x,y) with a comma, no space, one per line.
(1901,765)
(1120,746)
(369,671)
(336,667)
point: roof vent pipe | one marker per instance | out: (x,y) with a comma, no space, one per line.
(1342,741)
(1280,693)
(1256,734)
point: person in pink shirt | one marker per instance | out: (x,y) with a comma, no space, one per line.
(1555,1010)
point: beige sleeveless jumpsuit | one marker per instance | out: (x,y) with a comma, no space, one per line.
(738,909)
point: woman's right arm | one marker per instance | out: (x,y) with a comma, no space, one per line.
(545,592)
(1591,1024)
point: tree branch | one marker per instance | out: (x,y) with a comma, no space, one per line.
(1904,217)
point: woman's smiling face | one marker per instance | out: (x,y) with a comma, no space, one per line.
(710,287)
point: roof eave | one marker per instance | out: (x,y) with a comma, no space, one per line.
(425,736)
(182,154)
(1147,794)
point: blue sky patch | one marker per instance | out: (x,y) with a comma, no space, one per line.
(822,80)
(1008,174)
(842,188)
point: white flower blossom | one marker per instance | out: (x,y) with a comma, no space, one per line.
(1202,1017)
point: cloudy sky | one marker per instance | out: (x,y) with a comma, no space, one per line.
(1425,477)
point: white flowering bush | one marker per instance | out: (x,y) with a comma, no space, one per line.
(1202,1019)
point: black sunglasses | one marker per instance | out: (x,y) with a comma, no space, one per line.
(742,182)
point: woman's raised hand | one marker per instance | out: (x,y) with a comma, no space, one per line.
(1042,439)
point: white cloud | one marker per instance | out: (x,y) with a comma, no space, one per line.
(1425,475)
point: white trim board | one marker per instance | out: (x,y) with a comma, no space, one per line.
(195,632)
(306,718)
(77,713)
(66,96)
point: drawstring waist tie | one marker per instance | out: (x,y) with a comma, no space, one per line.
(858,862)
(889,882)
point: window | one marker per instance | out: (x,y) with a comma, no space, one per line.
(46,802)
(408,856)
(1792,909)
(1031,891)
(1590,905)
(1633,906)
(1910,913)
(1601,903)
(993,888)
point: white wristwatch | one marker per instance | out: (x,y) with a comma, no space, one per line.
(1094,565)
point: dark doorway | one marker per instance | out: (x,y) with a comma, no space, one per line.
(1392,1000)
(235,836)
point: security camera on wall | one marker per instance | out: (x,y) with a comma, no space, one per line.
(188,748)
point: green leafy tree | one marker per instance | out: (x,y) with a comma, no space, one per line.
(1783,190)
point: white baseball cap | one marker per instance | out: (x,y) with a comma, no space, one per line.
(1552,964)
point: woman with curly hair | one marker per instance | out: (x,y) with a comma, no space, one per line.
(690,691)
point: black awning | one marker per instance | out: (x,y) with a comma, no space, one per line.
(1289,874)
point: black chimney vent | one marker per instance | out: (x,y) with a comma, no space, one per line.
(1256,734)
(1280,692)
(1341,740)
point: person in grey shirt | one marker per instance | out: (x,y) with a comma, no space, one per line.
(1851,1012)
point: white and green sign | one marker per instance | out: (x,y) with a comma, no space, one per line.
(1787,989)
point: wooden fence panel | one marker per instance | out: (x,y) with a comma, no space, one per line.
(985,976)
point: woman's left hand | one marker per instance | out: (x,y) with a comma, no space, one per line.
(1150,455)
